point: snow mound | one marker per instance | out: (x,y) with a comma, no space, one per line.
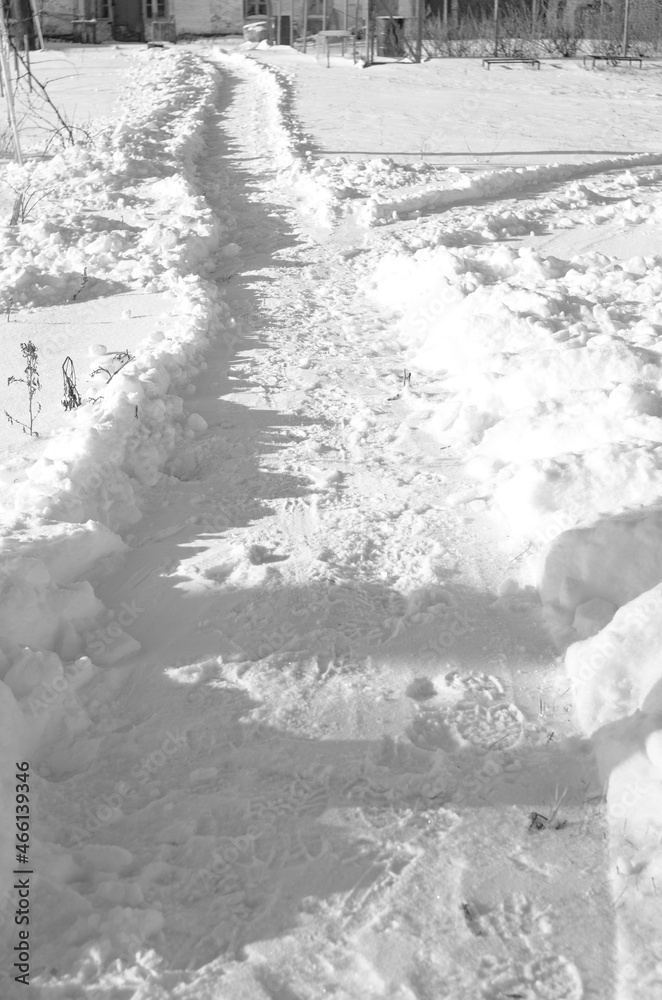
(617,683)
(613,561)
(138,419)
(450,186)
(76,492)
(67,551)
(617,673)
(550,390)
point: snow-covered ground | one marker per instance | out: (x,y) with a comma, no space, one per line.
(452,112)
(329,624)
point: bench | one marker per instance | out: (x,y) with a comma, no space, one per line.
(511,59)
(614,60)
(325,39)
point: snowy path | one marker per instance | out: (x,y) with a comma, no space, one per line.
(318,774)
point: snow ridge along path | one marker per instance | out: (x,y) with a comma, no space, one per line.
(326,749)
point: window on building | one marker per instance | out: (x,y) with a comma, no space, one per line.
(156,8)
(255,8)
(91,9)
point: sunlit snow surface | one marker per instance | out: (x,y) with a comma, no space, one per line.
(279,621)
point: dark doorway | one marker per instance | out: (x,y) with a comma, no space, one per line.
(128,21)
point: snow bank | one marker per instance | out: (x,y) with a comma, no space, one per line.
(549,374)
(617,673)
(616,677)
(448,187)
(149,158)
(544,374)
(617,682)
(132,209)
(602,584)
(613,561)
(67,551)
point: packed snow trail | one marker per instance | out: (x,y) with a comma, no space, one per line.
(331,748)
(319,772)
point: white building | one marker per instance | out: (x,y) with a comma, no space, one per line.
(152,20)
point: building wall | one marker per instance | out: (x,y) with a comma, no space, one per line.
(56,17)
(227,17)
(104,31)
(193,17)
(213,17)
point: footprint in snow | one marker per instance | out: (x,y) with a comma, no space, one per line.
(480,717)
(548,977)
(515,919)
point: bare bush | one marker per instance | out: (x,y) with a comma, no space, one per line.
(468,37)
(32,385)
(471,32)
(559,41)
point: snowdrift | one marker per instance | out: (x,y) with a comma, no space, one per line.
(550,388)
(545,374)
(131,209)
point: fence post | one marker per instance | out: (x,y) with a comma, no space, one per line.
(270,23)
(626,27)
(27,60)
(4,69)
(37,23)
(21,12)
(496,27)
(368,34)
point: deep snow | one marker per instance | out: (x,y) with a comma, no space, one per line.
(330,630)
